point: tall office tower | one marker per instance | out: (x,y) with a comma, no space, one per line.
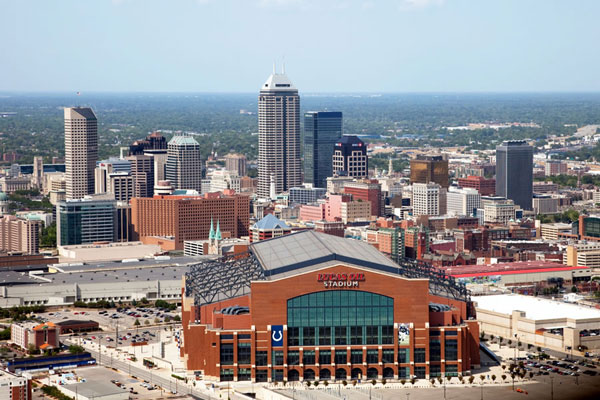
(81,151)
(426,198)
(350,157)
(142,171)
(154,141)
(321,131)
(514,172)
(236,163)
(278,136)
(38,172)
(425,169)
(184,166)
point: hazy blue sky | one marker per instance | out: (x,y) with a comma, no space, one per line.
(328,45)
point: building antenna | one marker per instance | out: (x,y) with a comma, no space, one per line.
(283,65)
(274,67)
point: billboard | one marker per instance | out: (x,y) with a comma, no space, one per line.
(403,334)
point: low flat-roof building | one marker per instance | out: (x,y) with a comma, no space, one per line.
(153,279)
(539,321)
(519,273)
(75,325)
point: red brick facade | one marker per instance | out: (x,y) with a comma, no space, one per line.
(205,331)
(189,217)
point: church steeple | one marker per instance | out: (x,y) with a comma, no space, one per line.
(211,233)
(218,233)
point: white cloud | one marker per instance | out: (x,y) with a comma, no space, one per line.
(418,4)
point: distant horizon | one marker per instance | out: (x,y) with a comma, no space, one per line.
(4,93)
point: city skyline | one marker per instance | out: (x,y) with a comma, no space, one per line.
(353,46)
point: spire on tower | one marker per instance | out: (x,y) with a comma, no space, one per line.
(211,233)
(218,233)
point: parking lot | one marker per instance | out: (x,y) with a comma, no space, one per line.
(111,319)
(137,388)
(138,336)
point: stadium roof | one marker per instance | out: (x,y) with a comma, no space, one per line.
(228,277)
(305,248)
(535,308)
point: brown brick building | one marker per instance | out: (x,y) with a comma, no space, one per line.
(485,187)
(178,218)
(312,306)
(19,235)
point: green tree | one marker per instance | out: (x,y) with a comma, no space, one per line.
(5,334)
(76,349)
(48,237)
(137,322)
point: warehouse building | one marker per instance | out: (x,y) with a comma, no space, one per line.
(312,306)
(153,279)
(539,321)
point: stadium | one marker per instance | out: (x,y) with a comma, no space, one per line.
(312,306)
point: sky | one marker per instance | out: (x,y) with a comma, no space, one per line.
(328,46)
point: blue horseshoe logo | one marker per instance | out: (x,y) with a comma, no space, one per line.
(277,335)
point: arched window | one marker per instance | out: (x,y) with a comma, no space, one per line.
(340,317)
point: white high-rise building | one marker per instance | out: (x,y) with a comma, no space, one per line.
(81,151)
(426,198)
(184,166)
(278,136)
(462,201)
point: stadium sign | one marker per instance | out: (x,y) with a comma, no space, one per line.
(341,280)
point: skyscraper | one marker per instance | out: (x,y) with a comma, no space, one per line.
(278,135)
(184,166)
(321,131)
(514,172)
(81,151)
(350,157)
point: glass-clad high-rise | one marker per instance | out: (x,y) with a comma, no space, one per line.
(514,172)
(321,130)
